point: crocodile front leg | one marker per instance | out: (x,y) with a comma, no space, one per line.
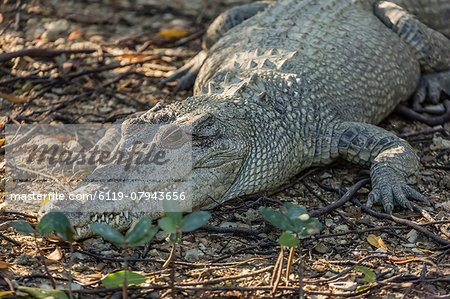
(187,74)
(392,161)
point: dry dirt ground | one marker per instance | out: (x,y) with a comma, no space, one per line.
(112,57)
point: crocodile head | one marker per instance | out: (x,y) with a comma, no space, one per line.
(203,153)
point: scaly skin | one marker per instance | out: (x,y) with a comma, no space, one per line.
(296,84)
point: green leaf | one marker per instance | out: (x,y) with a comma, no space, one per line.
(43,293)
(369,275)
(23,226)
(167,225)
(288,239)
(114,280)
(277,219)
(362,288)
(108,233)
(173,211)
(55,222)
(294,211)
(140,233)
(194,220)
(310,227)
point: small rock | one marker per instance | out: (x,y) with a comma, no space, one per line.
(56,29)
(100,266)
(161,236)
(251,215)
(192,255)
(78,256)
(97,244)
(326,175)
(320,248)
(329,222)
(446,205)
(342,227)
(343,241)
(80,267)
(409,245)
(440,143)
(76,286)
(228,224)
(412,236)
(22,260)
(415,250)
(446,182)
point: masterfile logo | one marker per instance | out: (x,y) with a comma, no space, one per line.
(86,163)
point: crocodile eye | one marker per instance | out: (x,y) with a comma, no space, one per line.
(174,137)
(205,126)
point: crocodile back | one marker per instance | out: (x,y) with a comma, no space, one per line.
(342,57)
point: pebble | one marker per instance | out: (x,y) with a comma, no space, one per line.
(100,266)
(440,143)
(78,256)
(342,227)
(56,29)
(326,175)
(161,236)
(415,250)
(228,224)
(80,267)
(22,259)
(153,252)
(76,286)
(320,248)
(192,255)
(329,222)
(412,236)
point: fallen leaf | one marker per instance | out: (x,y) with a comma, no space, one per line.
(4,265)
(76,34)
(2,294)
(122,86)
(133,57)
(377,242)
(63,138)
(2,141)
(401,259)
(44,201)
(56,255)
(174,33)
(13,98)
(94,276)
(426,251)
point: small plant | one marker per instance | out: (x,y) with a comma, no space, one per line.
(175,224)
(296,224)
(139,234)
(51,222)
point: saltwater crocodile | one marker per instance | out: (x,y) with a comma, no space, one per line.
(282,86)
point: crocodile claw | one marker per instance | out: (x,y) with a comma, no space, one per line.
(390,190)
(431,87)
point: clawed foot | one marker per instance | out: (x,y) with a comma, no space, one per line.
(390,190)
(431,87)
(187,74)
